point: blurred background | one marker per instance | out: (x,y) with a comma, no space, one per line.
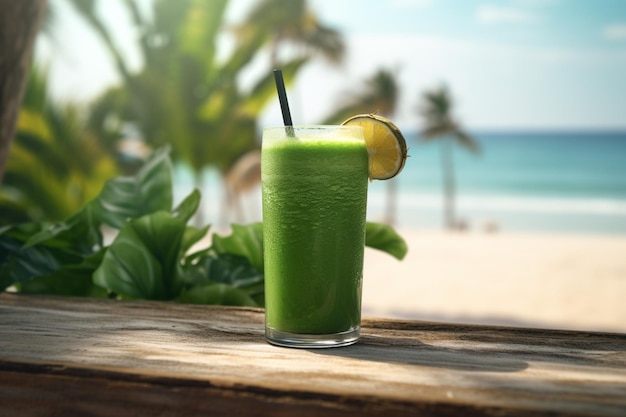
(514,111)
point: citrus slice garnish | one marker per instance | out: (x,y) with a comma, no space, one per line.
(385,145)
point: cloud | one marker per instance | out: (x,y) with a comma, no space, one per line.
(497,14)
(615,32)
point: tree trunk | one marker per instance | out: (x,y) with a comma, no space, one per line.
(19,24)
(448,183)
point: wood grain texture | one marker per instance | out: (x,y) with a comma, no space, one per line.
(62,356)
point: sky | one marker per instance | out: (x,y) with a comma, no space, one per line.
(509,64)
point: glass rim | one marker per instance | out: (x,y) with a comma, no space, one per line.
(334,133)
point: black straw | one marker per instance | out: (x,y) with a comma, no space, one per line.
(282,98)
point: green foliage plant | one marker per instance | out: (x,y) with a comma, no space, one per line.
(153,253)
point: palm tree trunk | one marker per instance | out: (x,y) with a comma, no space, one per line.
(19,23)
(448,183)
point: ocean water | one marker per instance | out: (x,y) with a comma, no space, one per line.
(563,182)
(539,181)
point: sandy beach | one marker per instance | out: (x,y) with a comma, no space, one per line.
(573,282)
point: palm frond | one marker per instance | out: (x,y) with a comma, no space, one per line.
(467,141)
(436,112)
(378,94)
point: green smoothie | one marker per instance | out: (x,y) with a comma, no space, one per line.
(314,206)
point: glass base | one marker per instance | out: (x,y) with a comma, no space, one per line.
(309,341)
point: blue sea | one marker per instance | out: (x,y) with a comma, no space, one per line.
(557,182)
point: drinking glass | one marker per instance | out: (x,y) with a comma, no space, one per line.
(314,186)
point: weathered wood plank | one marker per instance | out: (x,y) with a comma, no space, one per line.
(100,357)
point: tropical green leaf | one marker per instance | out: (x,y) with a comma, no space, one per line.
(18,264)
(144,259)
(81,232)
(70,280)
(245,240)
(131,197)
(224,268)
(192,236)
(383,237)
(185,211)
(220,294)
(237,272)
(187,208)
(23,231)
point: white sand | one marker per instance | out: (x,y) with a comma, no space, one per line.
(548,281)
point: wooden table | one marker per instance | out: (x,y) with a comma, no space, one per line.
(72,356)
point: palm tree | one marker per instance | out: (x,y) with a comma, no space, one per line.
(185,94)
(439,124)
(378,95)
(182,95)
